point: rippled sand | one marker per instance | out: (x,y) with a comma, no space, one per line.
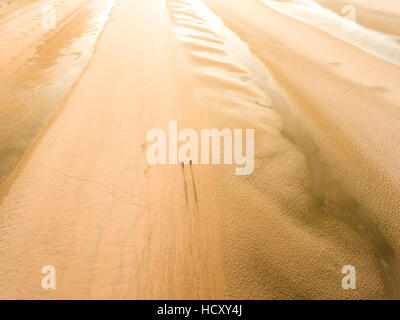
(324,192)
(39,66)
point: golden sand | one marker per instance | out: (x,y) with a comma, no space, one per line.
(324,192)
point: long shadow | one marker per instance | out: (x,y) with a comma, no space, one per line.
(194,188)
(185,187)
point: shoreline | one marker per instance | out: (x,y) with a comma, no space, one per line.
(323,193)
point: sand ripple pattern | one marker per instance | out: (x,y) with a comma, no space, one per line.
(225,64)
(217,67)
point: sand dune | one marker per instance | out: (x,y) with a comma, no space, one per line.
(324,192)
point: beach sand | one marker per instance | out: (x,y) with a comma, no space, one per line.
(380,15)
(324,192)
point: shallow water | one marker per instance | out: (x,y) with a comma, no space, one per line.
(35,81)
(327,194)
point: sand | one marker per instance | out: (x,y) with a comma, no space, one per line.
(39,66)
(380,15)
(324,192)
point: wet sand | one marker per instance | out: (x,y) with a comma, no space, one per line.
(324,192)
(38,67)
(377,15)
